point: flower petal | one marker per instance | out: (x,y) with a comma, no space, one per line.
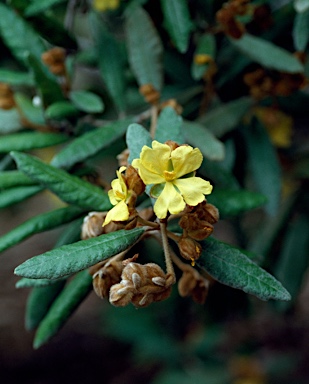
(193,189)
(120,212)
(186,159)
(149,177)
(156,159)
(169,200)
(112,197)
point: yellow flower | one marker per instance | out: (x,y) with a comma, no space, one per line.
(104,5)
(172,171)
(119,197)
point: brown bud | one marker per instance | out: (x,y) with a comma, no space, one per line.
(193,284)
(6,97)
(189,248)
(123,158)
(92,225)
(207,212)
(106,277)
(172,144)
(55,60)
(173,104)
(133,181)
(150,94)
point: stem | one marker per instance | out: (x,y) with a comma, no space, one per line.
(166,248)
(154,118)
(147,223)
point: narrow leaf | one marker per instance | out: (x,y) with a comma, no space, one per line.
(90,143)
(9,179)
(267,54)
(206,46)
(169,126)
(264,165)
(25,141)
(37,224)
(301,30)
(61,110)
(65,304)
(111,62)
(199,136)
(35,283)
(144,48)
(49,88)
(29,110)
(38,6)
(231,202)
(224,118)
(72,258)
(15,78)
(18,35)
(69,188)
(231,267)
(15,195)
(137,137)
(177,22)
(87,101)
(39,301)
(9,121)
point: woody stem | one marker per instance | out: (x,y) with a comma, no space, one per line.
(166,248)
(154,118)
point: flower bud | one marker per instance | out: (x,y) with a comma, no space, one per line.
(151,95)
(133,181)
(193,284)
(106,277)
(189,248)
(55,60)
(6,97)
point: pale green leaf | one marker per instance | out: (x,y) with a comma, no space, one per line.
(145,48)
(67,187)
(9,121)
(15,77)
(25,141)
(69,259)
(87,101)
(301,5)
(177,21)
(15,195)
(90,143)
(18,35)
(231,267)
(137,136)
(65,304)
(301,30)
(38,6)
(35,283)
(224,118)
(9,179)
(37,224)
(169,126)
(199,136)
(267,54)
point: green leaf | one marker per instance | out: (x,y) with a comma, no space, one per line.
(267,54)
(199,136)
(87,101)
(67,187)
(231,267)
(231,202)
(37,224)
(264,165)
(301,30)
(206,46)
(9,179)
(16,78)
(177,21)
(65,304)
(219,175)
(39,302)
(169,126)
(29,110)
(224,118)
(137,137)
(90,143)
(61,110)
(72,258)
(15,195)
(18,35)
(9,121)
(145,48)
(35,283)
(25,141)
(293,260)
(49,88)
(38,6)
(111,63)
(301,5)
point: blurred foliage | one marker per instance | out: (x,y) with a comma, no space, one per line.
(90,78)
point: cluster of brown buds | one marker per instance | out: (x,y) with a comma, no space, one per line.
(55,60)
(227,17)
(6,97)
(264,83)
(150,94)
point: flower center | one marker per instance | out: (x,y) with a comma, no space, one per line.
(169,176)
(120,195)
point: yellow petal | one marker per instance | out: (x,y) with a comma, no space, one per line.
(120,212)
(169,200)
(156,159)
(193,189)
(148,176)
(112,197)
(186,159)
